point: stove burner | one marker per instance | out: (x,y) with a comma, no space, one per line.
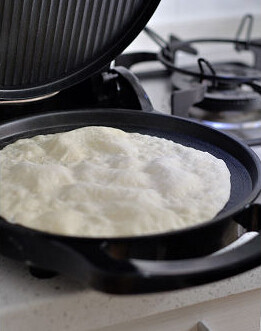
(223,120)
(224,96)
(241,98)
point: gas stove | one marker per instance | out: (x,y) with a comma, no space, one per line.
(225,95)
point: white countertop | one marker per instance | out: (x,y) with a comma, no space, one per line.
(27,303)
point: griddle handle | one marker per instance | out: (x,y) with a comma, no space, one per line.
(198,271)
(129,276)
(91,263)
(94,266)
(143,276)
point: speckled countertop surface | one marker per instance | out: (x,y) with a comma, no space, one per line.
(27,303)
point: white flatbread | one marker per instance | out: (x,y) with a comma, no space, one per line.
(104,182)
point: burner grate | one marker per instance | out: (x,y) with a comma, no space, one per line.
(225,95)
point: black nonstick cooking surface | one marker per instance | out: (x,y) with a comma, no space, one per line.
(117,264)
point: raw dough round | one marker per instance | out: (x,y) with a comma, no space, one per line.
(104,182)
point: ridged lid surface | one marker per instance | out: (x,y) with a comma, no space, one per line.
(48,45)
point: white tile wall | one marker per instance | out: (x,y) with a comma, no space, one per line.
(172,11)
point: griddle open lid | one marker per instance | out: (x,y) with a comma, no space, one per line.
(49,45)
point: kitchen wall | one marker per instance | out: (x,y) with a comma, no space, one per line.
(188,10)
